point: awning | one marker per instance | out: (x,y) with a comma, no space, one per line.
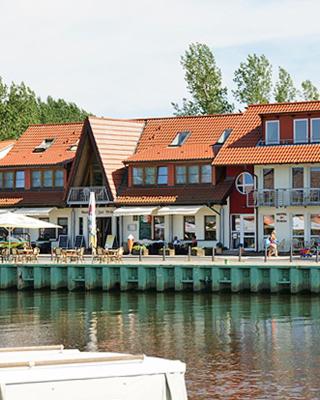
(123,211)
(181,210)
(41,212)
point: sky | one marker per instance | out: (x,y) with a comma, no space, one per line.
(121,58)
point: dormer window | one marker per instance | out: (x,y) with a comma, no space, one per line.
(315,130)
(272,132)
(43,146)
(300,131)
(224,136)
(180,139)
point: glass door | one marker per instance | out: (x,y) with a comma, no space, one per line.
(243,231)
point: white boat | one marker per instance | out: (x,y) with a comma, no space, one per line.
(53,373)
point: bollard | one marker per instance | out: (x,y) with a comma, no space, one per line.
(265,254)
(291,252)
(140,254)
(189,253)
(240,253)
(163,254)
(213,254)
(317,254)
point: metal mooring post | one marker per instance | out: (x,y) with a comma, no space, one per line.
(213,254)
(240,252)
(189,253)
(163,253)
(317,254)
(265,254)
(140,254)
(291,252)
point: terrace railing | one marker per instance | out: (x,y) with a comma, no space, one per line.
(284,197)
(81,195)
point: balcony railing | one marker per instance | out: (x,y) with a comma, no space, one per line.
(284,197)
(81,195)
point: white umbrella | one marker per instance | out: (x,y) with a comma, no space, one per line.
(10,221)
(92,222)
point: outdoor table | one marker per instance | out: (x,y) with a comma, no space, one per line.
(25,253)
(110,253)
(70,253)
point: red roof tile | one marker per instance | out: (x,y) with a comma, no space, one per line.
(4,144)
(116,140)
(158,134)
(64,135)
(241,147)
(31,198)
(197,194)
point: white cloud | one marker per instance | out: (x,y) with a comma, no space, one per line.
(121,58)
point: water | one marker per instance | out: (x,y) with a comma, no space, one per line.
(235,346)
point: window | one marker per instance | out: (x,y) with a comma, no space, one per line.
(162,175)
(315,177)
(297,177)
(8,180)
(268,178)
(59,178)
(315,130)
(48,178)
(36,179)
(64,223)
(245,183)
(206,173)
(181,174)
(272,132)
(43,146)
(158,228)
(315,227)
(20,179)
(47,233)
(300,131)
(298,230)
(137,176)
(80,225)
(268,225)
(210,227)
(193,174)
(224,136)
(145,225)
(180,139)
(189,223)
(150,175)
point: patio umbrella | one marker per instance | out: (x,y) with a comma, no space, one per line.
(92,222)
(11,221)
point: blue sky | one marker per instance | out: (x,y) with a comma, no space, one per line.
(121,58)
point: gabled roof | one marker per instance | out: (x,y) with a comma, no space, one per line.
(64,135)
(116,140)
(159,133)
(189,194)
(241,146)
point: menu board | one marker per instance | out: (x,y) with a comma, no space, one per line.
(63,241)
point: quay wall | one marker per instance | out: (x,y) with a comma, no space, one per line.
(142,277)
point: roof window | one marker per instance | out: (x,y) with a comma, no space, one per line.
(180,138)
(224,136)
(43,146)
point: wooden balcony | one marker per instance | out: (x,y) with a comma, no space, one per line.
(81,195)
(284,197)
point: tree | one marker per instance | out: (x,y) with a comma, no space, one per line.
(56,111)
(309,91)
(284,89)
(204,83)
(254,80)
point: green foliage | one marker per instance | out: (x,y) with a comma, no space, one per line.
(309,91)
(19,107)
(204,83)
(253,80)
(284,90)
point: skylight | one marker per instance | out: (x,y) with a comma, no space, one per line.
(224,136)
(43,146)
(180,138)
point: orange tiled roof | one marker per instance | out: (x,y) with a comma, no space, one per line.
(197,194)
(158,134)
(31,198)
(116,140)
(241,147)
(6,143)
(64,135)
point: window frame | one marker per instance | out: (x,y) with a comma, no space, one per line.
(311,130)
(184,227)
(61,230)
(145,176)
(55,178)
(266,132)
(206,232)
(133,176)
(158,175)
(185,174)
(294,130)
(199,175)
(156,236)
(244,185)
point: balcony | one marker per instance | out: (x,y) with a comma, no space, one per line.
(283,197)
(81,195)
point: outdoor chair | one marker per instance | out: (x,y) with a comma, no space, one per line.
(81,254)
(100,255)
(15,255)
(5,254)
(35,254)
(117,257)
(58,255)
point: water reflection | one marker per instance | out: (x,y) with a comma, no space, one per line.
(235,346)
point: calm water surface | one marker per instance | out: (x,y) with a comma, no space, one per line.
(235,346)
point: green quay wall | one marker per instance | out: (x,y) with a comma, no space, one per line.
(142,277)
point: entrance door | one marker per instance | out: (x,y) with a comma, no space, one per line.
(243,230)
(103,230)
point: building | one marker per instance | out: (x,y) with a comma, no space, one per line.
(274,156)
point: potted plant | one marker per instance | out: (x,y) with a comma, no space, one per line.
(138,247)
